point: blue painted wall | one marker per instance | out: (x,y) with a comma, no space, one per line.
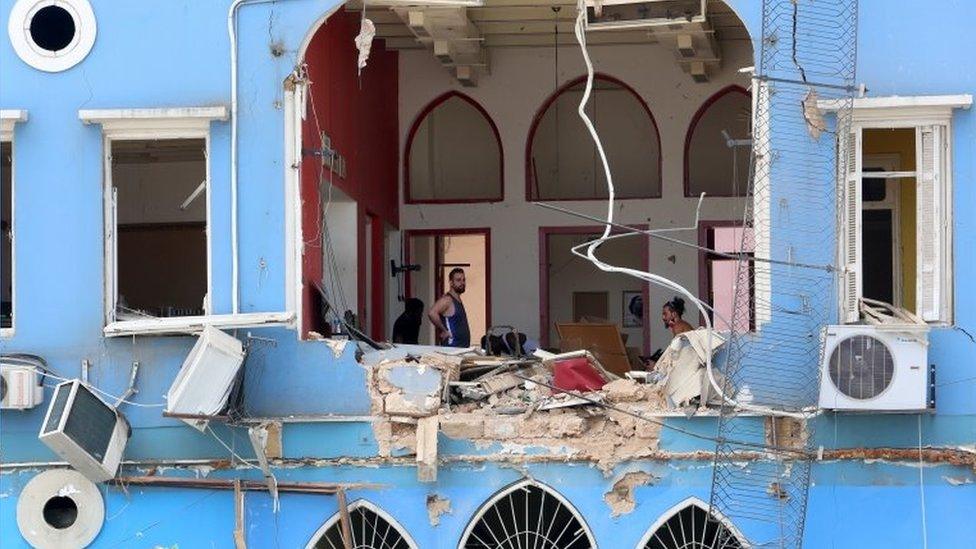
(175,53)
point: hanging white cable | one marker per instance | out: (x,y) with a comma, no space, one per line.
(921,485)
(649,277)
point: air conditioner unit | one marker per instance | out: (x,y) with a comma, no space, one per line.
(875,368)
(20,387)
(85,431)
(206,378)
(624,14)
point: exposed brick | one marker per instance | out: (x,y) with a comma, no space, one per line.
(462,425)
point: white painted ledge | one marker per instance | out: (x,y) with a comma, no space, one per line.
(154,121)
(195,324)
(9,117)
(897,107)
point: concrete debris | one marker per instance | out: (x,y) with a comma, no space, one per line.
(620,497)
(624,390)
(437,506)
(420,392)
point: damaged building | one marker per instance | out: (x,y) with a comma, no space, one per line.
(215,213)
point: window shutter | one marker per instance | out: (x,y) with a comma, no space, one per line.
(930,219)
(850,229)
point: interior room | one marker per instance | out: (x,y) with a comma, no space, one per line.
(160,196)
(6,235)
(463,123)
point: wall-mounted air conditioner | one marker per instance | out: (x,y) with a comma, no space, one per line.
(875,368)
(20,387)
(85,431)
(623,14)
(206,378)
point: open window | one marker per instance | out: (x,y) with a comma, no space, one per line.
(6,236)
(159,204)
(454,153)
(896,230)
(718,145)
(562,163)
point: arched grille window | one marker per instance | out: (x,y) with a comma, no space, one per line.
(370,528)
(691,526)
(527,514)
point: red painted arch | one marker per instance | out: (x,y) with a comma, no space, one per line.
(413,131)
(694,123)
(529,173)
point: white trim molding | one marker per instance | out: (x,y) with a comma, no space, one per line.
(893,108)
(153,123)
(692,501)
(8,118)
(195,324)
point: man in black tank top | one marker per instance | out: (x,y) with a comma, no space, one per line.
(448,315)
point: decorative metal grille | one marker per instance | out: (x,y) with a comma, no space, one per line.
(807,61)
(369,527)
(527,515)
(692,528)
(861,367)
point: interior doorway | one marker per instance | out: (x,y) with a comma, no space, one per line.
(437,252)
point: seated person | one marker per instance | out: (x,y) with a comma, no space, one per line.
(406,329)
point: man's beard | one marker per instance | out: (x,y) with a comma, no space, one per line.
(459,291)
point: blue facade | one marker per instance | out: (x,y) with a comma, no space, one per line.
(176,54)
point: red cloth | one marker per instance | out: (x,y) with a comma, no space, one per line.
(576,374)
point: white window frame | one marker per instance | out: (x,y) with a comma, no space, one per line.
(8,118)
(692,501)
(167,123)
(918,113)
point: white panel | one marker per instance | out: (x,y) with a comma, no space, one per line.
(850,229)
(930,230)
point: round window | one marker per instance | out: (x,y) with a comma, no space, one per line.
(52,35)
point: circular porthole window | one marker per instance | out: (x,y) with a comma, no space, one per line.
(52,35)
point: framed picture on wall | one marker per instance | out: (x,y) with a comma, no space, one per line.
(633,309)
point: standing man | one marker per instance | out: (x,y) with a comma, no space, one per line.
(448,316)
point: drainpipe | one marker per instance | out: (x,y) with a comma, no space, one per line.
(232,33)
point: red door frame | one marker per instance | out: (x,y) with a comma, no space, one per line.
(486,231)
(704,273)
(372,242)
(544,233)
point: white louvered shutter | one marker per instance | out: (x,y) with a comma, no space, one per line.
(849,168)
(930,229)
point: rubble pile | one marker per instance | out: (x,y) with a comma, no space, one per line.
(515,405)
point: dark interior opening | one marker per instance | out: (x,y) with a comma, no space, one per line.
(52,28)
(60,512)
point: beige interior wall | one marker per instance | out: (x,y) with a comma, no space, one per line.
(454,155)
(470,249)
(520,81)
(568,273)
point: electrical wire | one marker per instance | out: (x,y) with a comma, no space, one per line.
(921,485)
(592,246)
(116,398)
